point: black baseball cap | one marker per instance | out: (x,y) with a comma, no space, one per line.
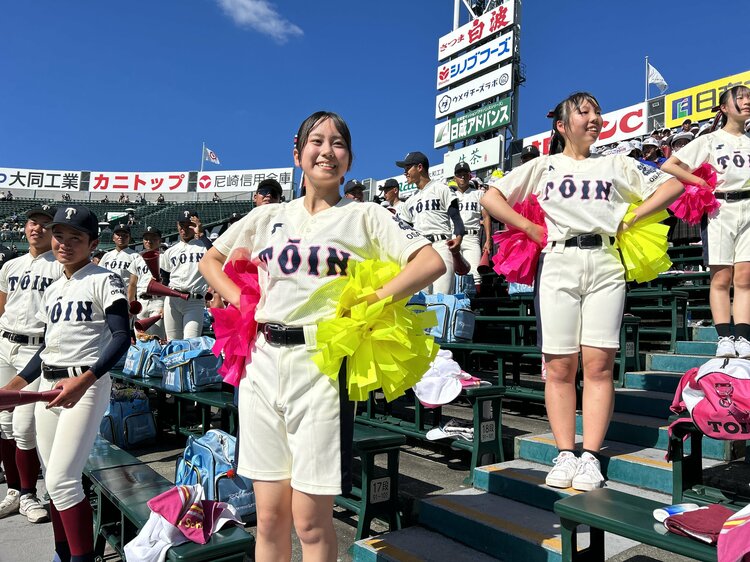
(462,167)
(185,214)
(353,185)
(121,227)
(389,184)
(47,210)
(78,218)
(530,150)
(152,230)
(412,159)
(271,184)
(234,217)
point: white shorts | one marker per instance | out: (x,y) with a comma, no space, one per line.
(18,424)
(726,236)
(295,422)
(580,296)
(445,283)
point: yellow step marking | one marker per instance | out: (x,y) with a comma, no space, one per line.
(386,549)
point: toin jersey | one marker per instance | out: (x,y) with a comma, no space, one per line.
(471,210)
(119,261)
(427,209)
(298,253)
(729,155)
(139,268)
(581,196)
(181,261)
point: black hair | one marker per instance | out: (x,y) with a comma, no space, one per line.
(316,118)
(721,118)
(562,113)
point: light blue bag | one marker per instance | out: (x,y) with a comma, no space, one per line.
(128,421)
(190,365)
(142,360)
(454,315)
(208,460)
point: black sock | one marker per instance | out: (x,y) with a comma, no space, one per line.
(63,551)
(723,330)
(25,491)
(594,454)
(83,558)
(742,331)
(566,451)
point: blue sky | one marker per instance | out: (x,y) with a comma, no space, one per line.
(138,86)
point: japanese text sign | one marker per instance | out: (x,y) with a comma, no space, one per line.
(484,87)
(487,118)
(243,180)
(696,103)
(46,180)
(478,156)
(480,28)
(148,182)
(480,59)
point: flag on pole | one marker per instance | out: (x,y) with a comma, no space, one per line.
(655,78)
(210,155)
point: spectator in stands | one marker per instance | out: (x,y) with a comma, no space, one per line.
(141,199)
(5,232)
(160,199)
(651,154)
(216,198)
(268,191)
(121,199)
(105,199)
(127,198)
(687,125)
(131,219)
(354,189)
(65,197)
(2,196)
(529,153)
(679,140)
(234,217)
(390,189)
(9,196)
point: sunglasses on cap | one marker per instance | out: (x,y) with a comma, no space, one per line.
(263,191)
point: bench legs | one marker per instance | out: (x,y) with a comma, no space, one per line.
(488,441)
(570,552)
(379,495)
(687,470)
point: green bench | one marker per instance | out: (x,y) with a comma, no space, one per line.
(662,315)
(121,485)
(607,510)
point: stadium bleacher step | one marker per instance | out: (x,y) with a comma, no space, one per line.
(673,363)
(523,481)
(621,462)
(501,527)
(643,402)
(707,348)
(660,381)
(705,333)
(413,544)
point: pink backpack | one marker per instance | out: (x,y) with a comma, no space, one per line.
(716,396)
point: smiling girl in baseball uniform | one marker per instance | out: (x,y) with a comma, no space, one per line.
(297,422)
(580,280)
(726,234)
(86,316)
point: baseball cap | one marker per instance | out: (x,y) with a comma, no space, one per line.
(462,167)
(530,150)
(213,236)
(185,214)
(271,184)
(636,144)
(234,217)
(152,230)
(685,135)
(353,185)
(122,227)
(47,210)
(77,217)
(388,184)
(412,159)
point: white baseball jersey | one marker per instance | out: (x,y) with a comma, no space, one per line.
(139,268)
(298,253)
(73,310)
(471,210)
(119,261)
(181,261)
(581,196)
(24,281)
(427,209)
(728,154)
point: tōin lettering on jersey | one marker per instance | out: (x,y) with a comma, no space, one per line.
(427,205)
(186,258)
(468,206)
(26,281)
(581,189)
(736,159)
(115,265)
(78,311)
(316,259)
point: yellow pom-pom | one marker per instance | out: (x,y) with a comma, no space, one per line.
(643,246)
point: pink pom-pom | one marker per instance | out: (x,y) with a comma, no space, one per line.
(696,201)
(518,255)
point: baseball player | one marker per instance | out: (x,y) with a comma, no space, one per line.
(390,189)
(268,191)
(86,316)
(299,450)
(22,284)
(140,275)
(120,258)
(431,210)
(184,318)
(726,234)
(580,284)
(475,219)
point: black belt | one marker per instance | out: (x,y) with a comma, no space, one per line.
(23,340)
(278,334)
(472,231)
(146,297)
(54,373)
(585,241)
(733,195)
(192,295)
(436,237)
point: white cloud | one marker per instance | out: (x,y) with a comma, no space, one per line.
(261,16)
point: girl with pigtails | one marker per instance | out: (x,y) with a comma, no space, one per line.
(725,233)
(580,282)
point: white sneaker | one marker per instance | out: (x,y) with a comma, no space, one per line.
(10,504)
(32,508)
(742,347)
(561,475)
(589,475)
(725,347)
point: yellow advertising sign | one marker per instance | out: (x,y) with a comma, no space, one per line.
(695,103)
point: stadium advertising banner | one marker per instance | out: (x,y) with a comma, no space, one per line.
(406,190)
(696,103)
(482,58)
(619,125)
(243,180)
(486,86)
(487,118)
(149,182)
(479,156)
(480,28)
(45,180)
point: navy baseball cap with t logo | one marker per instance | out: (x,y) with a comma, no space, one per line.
(46,210)
(185,214)
(78,218)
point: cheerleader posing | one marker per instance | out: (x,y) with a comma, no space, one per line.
(297,444)
(726,234)
(580,284)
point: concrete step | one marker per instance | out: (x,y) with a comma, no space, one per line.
(643,402)
(523,481)
(707,348)
(673,363)
(502,528)
(660,381)
(412,545)
(621,462)
(705,333)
